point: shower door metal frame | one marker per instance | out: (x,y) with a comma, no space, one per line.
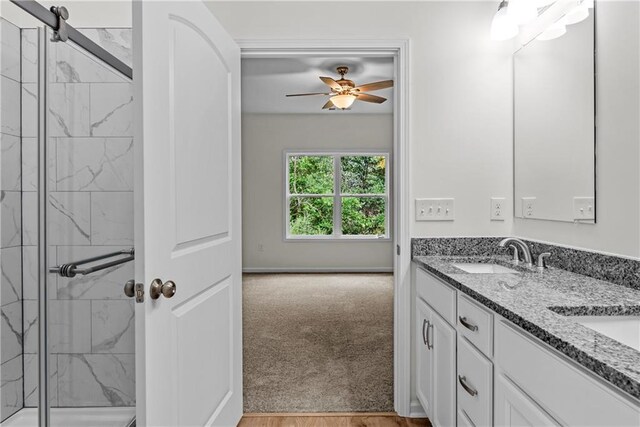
(50,19)
(43,249)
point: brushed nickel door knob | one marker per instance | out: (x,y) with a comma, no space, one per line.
(157,288)
(129,288)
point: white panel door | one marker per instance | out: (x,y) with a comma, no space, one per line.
(187,95)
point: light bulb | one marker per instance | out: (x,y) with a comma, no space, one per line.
(553,32)
(578,14)
(522,11)
(343,101)
(503,27)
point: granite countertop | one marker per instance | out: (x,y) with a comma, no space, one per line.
(542,304)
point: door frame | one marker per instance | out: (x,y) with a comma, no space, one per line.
(398,49)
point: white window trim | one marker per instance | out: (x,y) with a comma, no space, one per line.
(337,235)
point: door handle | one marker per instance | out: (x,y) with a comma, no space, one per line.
(425,322)
(157,288)
(133,289)
(467,387)
(429,343)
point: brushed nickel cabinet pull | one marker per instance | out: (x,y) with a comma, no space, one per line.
(429,343)
(424,336)
(467,387)
(466,324)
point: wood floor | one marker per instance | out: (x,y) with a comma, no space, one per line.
(374,419)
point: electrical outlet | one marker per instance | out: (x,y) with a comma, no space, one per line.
(435,209)
(498,206)
(528,207)
(584,208)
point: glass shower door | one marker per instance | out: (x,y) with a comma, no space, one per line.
(89,215)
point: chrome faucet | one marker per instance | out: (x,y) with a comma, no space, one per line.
(520,246)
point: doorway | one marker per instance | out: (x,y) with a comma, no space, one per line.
(396,52)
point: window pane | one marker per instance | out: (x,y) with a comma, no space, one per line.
(311,174)
(363,216)
(363,174)
(311,216)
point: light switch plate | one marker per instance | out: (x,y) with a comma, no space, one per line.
(435,209)
(584,208)
(498,207)
(528,207)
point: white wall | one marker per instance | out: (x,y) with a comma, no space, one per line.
(461,142)
(617,138)
(264,139)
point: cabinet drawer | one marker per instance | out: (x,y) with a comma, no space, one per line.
(569,393)
(475,384)
(475,324)
(437,294)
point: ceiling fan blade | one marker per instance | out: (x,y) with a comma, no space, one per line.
(375,86)
(308,94)
(370,98)
(331,83)
(329,105)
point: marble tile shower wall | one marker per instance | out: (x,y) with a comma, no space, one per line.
(90,212)
(11,372)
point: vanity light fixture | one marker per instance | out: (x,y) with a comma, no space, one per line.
(522,11)
(343,101)
(503,26)
(578,14)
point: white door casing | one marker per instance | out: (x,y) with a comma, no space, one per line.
(187,216)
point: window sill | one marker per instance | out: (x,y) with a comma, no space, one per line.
(333,239)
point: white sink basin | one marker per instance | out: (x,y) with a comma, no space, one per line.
(624,329)
(480,268)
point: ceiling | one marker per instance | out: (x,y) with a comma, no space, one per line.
(265,82)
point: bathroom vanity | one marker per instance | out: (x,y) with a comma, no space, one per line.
(513,347)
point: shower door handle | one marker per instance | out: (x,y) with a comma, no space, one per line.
(168,289)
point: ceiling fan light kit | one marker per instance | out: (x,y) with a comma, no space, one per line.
(344,92)
(343,101)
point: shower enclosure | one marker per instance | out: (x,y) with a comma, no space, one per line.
(66,229)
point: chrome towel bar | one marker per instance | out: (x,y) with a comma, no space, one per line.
(71,269)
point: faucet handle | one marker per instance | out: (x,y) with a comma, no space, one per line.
(540,262)
(516,258)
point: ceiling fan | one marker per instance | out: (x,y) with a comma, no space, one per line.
(344,92)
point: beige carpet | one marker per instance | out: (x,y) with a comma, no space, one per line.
(318,342)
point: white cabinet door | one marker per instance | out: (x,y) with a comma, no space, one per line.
(442,338)
(424,382)
(187,210)
(513,408)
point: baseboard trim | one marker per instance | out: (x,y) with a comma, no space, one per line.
(319,270)
(318,414)
(416,410)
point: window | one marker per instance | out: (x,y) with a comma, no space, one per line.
(337,196)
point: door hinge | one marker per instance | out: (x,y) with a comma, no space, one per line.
(397,249)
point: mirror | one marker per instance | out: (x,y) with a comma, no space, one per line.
(554,127)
